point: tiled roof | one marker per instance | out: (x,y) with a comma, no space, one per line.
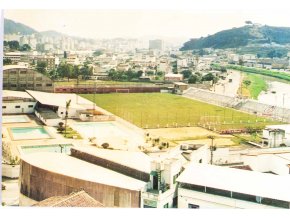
(78,199)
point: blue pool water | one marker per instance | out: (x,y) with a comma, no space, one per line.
(58,148)
(15,119)
(22,133)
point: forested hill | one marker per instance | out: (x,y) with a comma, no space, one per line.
(242,36)
(11,27)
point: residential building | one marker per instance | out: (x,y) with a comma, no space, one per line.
(276,136)
(73,59)
(156,44)
(49,60)
(173,77)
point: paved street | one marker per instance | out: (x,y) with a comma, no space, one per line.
(229,88)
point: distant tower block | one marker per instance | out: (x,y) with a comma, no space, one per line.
(156,44)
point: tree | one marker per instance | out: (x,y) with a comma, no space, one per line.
(25,47)
(98,52)
(7,61)
(241,61)
(41,67)
(76,72)
(186,73)
(208,77)
(223,69)
(65,70)
(67,105)
(13,45)
(86,71)
(247,82)
(193,79)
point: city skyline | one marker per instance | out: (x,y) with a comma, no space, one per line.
(182,24)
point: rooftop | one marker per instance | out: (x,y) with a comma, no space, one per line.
(73,167)
(133,159)
(59,99)
(15,94)
(78,199)
(236,180)
(8,67)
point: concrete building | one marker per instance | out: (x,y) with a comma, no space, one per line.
(276,136)
(51,107)
(207,186)
(49,60)
(173,77)
(73,59)
(156,44)
(20,78)
(44,175)
(15,102)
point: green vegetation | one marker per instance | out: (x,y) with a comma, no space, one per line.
(153,110)
(254,85)
(270,73)
(242,36)
(70,134)
(97,82)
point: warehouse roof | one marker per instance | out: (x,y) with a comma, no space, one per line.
(15,94)
(59,99)
(133,159)
(73,167)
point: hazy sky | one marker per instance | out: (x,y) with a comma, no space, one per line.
(187,21)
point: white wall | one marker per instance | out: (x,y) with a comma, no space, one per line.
(266,163)
(72,112)
(206,201)
(10,171)
(10,108)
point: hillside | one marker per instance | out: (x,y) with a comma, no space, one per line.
(11,27)
(242,36)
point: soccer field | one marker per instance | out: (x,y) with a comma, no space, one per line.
(154,110)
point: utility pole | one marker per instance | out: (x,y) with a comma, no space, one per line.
(212,148)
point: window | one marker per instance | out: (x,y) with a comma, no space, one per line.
(12,72)
(22,72)
(61,112)
(48,84)
(200,161)
(30,85)
(17,106)
(193,206)
(13,85)
(3,107)
(38,85)
(30,106)
(22,85)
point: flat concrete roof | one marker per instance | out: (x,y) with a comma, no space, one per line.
(73,167)
(15,94)
(8,67)
(133,159)
(236,180)
(60,99)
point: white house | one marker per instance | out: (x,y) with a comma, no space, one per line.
(276,135)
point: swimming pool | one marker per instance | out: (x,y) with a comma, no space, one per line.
(15,119)
(22,133)
(56,148)
(100,129)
